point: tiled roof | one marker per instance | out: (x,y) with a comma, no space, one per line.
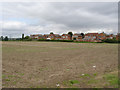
(89,34)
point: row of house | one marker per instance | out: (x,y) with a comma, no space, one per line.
(51,36)
(90,37)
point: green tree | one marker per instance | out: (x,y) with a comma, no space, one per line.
(51,32)
(82,35)
(2,38)
(27,37)
(70,33)
(6,38)
(22,36)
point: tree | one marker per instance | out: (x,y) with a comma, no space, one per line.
(51,32)
(2,38)
(70,33)
(27,37)
(22,36)
(82,35)
(6,38)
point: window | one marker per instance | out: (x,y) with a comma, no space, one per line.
(89,37)
(51,36)
(66,36)
(63,36)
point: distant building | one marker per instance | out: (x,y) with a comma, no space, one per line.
(45,36)
(77,37)
(101,36)
(118,36)
(58,37)
(109,36)
(66,37)
(91,37)
(36,36)
(54,36)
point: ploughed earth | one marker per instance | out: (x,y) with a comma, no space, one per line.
(33,64)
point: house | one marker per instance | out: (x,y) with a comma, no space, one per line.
(77,37)
(109,36)
(66,37)
(91,37)
(36,36)
(101,36)
(118,36)
(58,37)
(51,36)
(54,36)
(45,36)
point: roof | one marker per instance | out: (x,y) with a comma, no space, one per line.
(57,35)
(66,34)
(89,34)
(46,34)
(77,34)
(36,35)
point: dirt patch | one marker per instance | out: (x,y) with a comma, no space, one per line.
(45,64)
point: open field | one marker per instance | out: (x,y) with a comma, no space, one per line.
(45,64)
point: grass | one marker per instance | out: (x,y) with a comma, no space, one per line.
(71,82)
(14,82)
(113,80)
(7,80)
(85,76)
(94,74)
(43,69)
(93,81)
(11,76)
(74,81)
(3,76)
(21,74)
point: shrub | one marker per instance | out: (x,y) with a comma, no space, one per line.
(27,39)
(56,40)
(111,41)
(41,39)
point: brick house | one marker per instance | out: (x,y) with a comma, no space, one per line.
(66,37)
(45,36)
(36,36)
(51,36)
(109,36)
(54,37)
(101,36)
(91,37)
(77,37)
(117,36)
(58,37)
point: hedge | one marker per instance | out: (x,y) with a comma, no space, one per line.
(56,40)
(111,41)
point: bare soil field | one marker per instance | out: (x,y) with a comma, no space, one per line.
(59,65)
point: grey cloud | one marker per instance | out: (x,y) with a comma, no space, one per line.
(62,17)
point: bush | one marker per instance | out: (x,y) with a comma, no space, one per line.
(42,40)
(111,41)
(27,39)
(56,40)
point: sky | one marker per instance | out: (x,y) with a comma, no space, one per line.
(58,17)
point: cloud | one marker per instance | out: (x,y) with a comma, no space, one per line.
(32,17)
